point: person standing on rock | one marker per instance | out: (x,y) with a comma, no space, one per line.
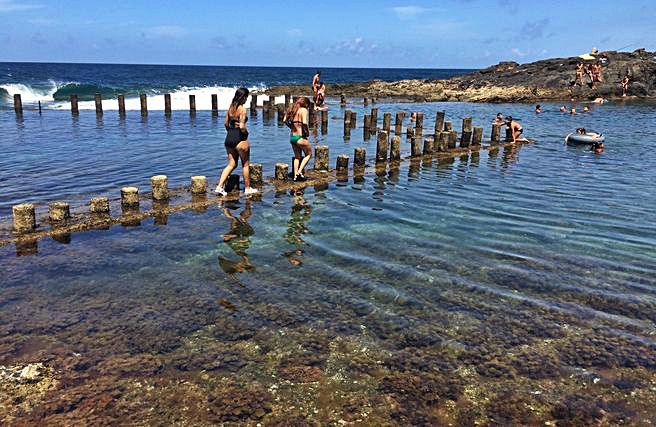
(316,84)
(625,85)
(297,119)
(579,74)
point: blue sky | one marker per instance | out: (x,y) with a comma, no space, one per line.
(404,34)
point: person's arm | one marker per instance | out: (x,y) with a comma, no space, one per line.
(242,118)
(226,121)
(305,117)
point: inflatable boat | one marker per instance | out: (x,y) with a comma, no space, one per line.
(587,139)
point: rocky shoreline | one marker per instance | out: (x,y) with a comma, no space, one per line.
(550,79)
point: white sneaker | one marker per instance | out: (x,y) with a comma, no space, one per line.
(220,191)
(250,190)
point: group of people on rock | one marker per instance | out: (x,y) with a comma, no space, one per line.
(318,90)
(238,148)
(593,72)
(511,124)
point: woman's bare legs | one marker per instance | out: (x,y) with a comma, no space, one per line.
(303,145)
(297,159)
(244,151)
(233,157)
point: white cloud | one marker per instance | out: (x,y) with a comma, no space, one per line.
(518,52)
(14,6)
(356,46)
(408,12)
(162,31)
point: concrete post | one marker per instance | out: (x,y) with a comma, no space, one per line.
(192,104)
(342,163)
(24,218)
(160,186)
(282,171)
(509,136)
(18,104)
(419,122)
(198,184)
(354,118)
(143,100)
(466,136)
(121,104)
(415,147)
(215,104)
(495,135)
(281,114)
(58,211)
(395,148)
(359,157)
(398,123)
(253,104)
(443,141)
(439,122)
(98,99)
(453,139)
(366,101)
(167,104)
(428,146)
(387,118)
(321,158)
(75,110)
(477,135)
(129,197)
(448,126)
(382,146)
(99,205)
(342,100)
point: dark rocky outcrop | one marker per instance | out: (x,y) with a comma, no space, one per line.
(549,79)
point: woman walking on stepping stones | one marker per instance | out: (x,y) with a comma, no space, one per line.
(297,118)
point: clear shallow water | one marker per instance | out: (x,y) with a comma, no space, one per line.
(515,286)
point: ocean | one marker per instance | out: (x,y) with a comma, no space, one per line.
(514,286)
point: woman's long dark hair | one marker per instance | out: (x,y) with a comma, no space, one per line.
(241,95)
(302,102)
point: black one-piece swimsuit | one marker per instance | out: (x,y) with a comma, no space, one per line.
(235,134)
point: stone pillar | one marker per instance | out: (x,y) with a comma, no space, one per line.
(387,118)
(409,133)
(321,158)
(121,104)
(359,157)
(439,122)
(382,146)
(24,218)
(167,104)
(395,148)
(129,197)
(59,211)
(198,184)
(253,104)
(282,171)
(428,146)
(354,118)
(495,135)
(443,141)
(160,186)
(466,136)
(347,124)
(99,205)
(143,100)
(288,100)
(98,99)
(415,147)
(342,163)
(215,104)
(281,114)
(477,135)
(18,104)
(373,124)
(75,110)
(367,122)
(324,118)
(398,124)
(453,139)
(192,104)
(419,123)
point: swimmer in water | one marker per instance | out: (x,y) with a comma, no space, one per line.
(538,109)
(572,111)
(563,109)
(586,109)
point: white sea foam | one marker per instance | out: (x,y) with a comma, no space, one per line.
(30,94)
(179,100)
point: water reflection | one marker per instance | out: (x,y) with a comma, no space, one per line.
(238,238)
(297,227)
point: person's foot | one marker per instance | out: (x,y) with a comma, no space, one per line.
(250,190)
(220,191)
(300,178)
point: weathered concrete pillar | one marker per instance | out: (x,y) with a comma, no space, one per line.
(409,133)
(129,197)
(198,184)
(415,147)
(366,101)
(18,104)
(342,100)
(347,124)
(477,135)
(387,118)
(288,100)
(359,157)
(167,104)
(59,211)
(215,104)
(367,122)
(495,135)
(466,136)
(382,146)
(282,171)
(419,133)
(453,139)
(398,122)
(342,163)
(324,118)
(354,119)
(192,103)
(281,114)
(443,141)
(439,122)
(373,124)
(253,104)
(121,104)
(143,100)
(24,218)
(428,146)
(75,110)
(395,148)
(272,100)
(321,158)
(99,205)
(312,114)
(448,126)
(160,186)
(419,122)
(509,136)
(98,99)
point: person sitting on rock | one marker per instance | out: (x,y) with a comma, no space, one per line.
(516,130)
(625,85)
(563,109)
(538,110)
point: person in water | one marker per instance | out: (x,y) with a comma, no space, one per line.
(572,111)
(586,109)
(316,83)
(538,109)
(563,109)
(516,130)
(625,85)
(597,147)
(599,100)
(236,142)
(296,117)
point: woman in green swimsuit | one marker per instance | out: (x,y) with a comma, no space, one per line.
(296,117)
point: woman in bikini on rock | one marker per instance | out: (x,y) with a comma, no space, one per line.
(297,118)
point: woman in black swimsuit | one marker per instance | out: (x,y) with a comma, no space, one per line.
(236,142)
